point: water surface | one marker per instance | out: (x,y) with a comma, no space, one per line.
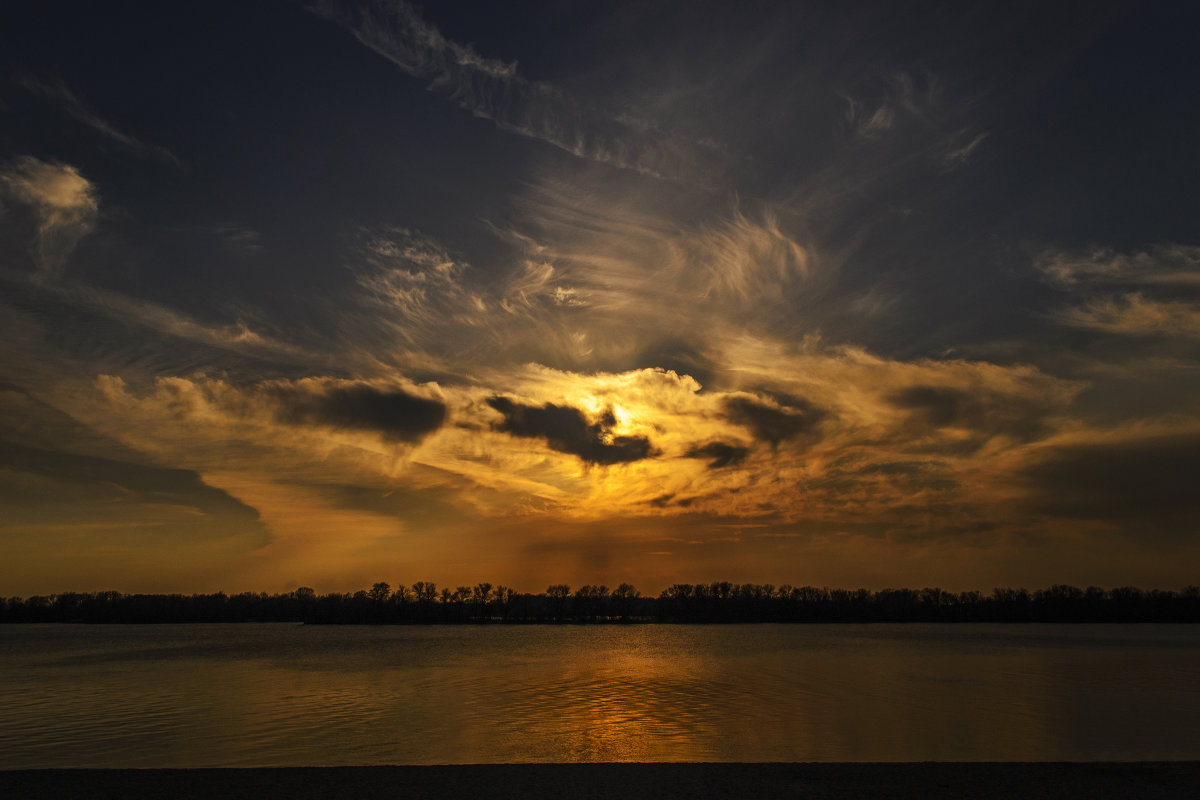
(282,695)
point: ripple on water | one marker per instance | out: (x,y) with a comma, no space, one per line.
(286,695)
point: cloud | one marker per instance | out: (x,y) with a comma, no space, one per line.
(1135,315)
(567,430)
(939,406)
(396,415)
(237,336)
(236,238)
(428,307)
(868,124)
(679,356)
(1166,263)
(722,454)
(74,106)
(645,278)
(772,422)
(826,413)
(958,153)
(537,286)
(1161,289)
(897,97)
(977,409)
(1149,479)
(418,282)
(583,287)
(136,483)
(288,429)
(907,482)
(746,261)
(843,455)
(63,201)
(495,90)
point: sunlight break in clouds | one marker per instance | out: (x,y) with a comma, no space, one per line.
(638,443)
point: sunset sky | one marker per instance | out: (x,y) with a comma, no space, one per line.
(846,294)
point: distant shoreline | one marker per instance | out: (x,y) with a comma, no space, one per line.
(812,781)
(719,602)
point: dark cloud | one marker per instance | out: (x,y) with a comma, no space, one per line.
(947,407)
(900,468)
(939,406)
(139,482)
(426,509)
(567,430)
(394,414)
(847,477)
(672,500)
(723,454)
(1150,481)
(771,423)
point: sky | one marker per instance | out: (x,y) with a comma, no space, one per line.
(843,294)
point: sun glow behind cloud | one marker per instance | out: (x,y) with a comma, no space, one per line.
(572,318)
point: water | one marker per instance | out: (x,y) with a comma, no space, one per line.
(280,695)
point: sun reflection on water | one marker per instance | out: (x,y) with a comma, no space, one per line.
(145,696)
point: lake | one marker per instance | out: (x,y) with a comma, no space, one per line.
(285,695)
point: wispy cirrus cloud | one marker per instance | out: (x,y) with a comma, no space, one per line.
(1151,292)
(235,336)
(625,267)
(1164,263)
(897,98)
(912,123)
(418,283)
(869,123)
(495,90)
(961,149)
(579,287)
(74,106)
(1136,315)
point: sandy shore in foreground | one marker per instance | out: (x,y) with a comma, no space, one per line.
(623,781)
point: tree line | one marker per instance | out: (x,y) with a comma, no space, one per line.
(720,602)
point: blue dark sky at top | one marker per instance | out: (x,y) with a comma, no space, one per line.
(286,124)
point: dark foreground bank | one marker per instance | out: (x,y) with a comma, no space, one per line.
(623,781)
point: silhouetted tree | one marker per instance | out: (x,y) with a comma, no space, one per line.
(713,602)
(559,595)
(424,591)
(622,600)
(502,599)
